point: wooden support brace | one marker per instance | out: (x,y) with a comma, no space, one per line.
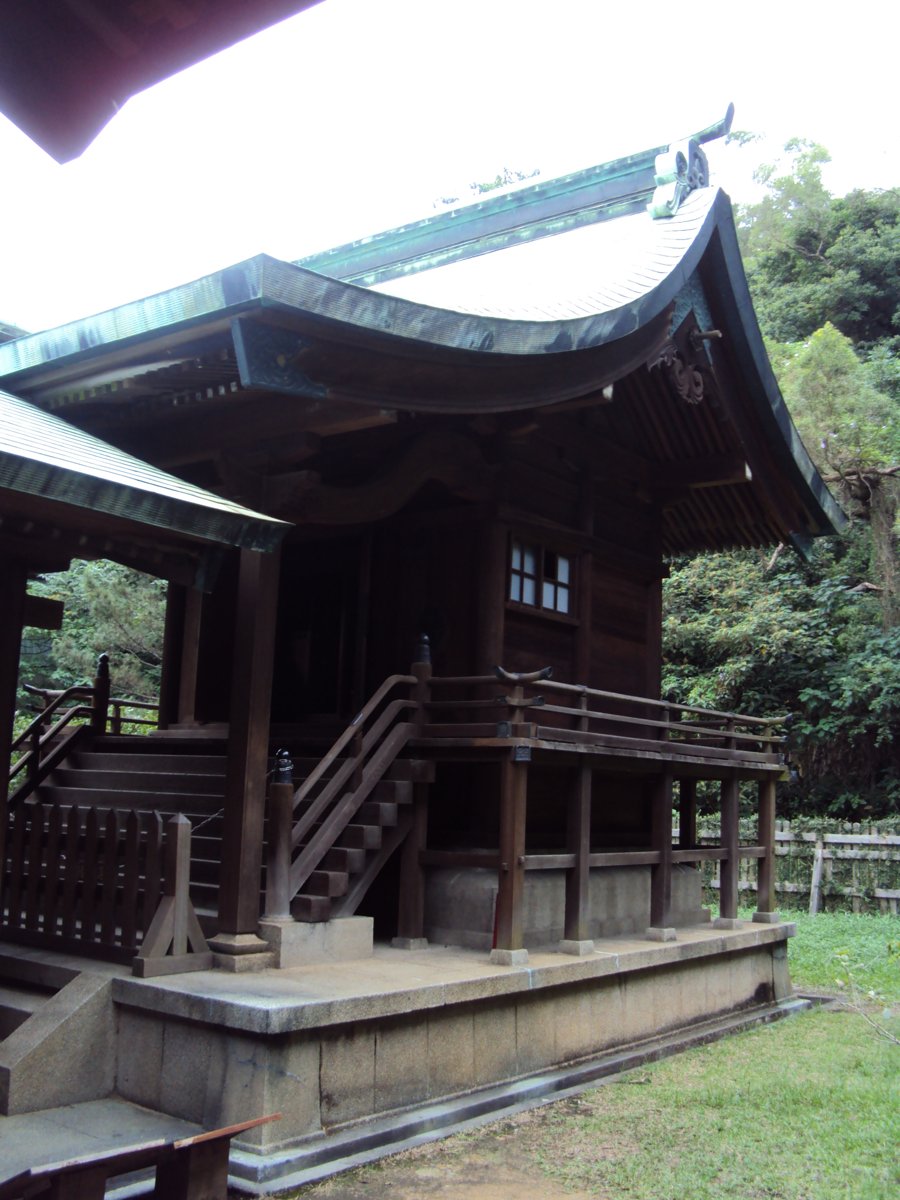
(174,942)
(578,877)
(511,884)
(728,887)
(765,887)
(661,877)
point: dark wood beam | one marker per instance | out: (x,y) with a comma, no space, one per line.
(13,587)
(245,781)
(41,612)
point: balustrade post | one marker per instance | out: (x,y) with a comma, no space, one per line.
(661,929)
(509,949)
(730,867)
(765,882)
(576,938)
(421,691)
(278,858)
(687,813)
(101,695)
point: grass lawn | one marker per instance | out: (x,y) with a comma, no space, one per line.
(805,1109)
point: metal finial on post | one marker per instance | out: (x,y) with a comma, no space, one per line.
(278,859)
(284,767)
(423,649)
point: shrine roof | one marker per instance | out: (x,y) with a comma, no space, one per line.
(44,456)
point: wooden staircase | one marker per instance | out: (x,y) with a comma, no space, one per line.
(178,775)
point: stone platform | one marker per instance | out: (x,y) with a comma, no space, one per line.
(335,1047)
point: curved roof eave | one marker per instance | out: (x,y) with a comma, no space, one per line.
(727,269)
(622,306)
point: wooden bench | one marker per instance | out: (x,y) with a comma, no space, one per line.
(191,1168)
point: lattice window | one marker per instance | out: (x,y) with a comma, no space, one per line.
(539,578)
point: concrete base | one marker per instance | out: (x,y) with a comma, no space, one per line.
(459,904)
(509,958)
(240,952)
(766,918)
(661,933)
(727,923)
(302,943)
(338,1045)
(575,948)
(401,943)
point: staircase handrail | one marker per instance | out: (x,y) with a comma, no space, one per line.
(32,731)
(349,734)
(368,747)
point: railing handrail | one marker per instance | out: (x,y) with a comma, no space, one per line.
(580,689)
(41,717)
(349,734)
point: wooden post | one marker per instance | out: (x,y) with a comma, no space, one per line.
(661,873)
(173,642)
(687,813)
(174,943)
(511,885)
(245,779)
(411,907)
(13,586)
(765,880)
(101,695)
(190,657)
(728,886)
(278,860)
(492,594)
(578,877)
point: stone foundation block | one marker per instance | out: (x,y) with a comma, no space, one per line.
(304,943)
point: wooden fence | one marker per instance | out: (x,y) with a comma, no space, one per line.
(855,868)
(84,880)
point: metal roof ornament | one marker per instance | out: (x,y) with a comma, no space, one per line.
(679,171)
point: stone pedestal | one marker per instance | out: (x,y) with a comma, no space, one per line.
(304,943)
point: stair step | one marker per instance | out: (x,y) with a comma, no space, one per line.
(373,813)
(138,781)
(344,858)
(199,764)
(327,883)
(310,908)
(414,770)
(43,976)
(366,837)
(393,791)
(106,798)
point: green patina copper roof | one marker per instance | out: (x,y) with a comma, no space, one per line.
(509,218)
(41,455)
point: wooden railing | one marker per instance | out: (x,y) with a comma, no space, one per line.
(302,831)
(592,717)
(43,743)
(102,883)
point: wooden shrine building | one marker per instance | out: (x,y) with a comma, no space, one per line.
(450,501)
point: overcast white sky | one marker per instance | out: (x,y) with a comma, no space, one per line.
(357,114)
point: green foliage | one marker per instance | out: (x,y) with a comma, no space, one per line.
(770,635)
(812,258)
(827,944)
(108,609)
(845,420)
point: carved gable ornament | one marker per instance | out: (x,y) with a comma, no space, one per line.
(678,172)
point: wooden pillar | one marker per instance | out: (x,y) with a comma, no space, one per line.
(728,875)
(173,641)
(687,813)
(411,907)
(13,586)
(578,877)
(511,884)
(765,889)
(248,748)
(661,877)
(492,592)
(190,653)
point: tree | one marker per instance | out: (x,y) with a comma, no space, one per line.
(108,609)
